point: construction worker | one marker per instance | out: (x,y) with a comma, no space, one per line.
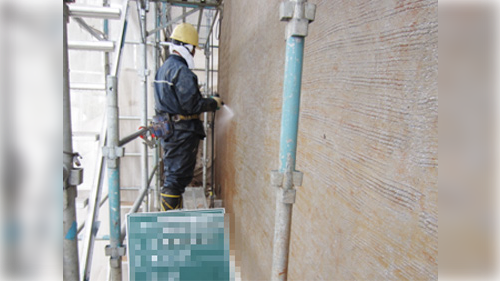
(178,97)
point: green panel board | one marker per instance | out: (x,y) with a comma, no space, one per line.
(178,245)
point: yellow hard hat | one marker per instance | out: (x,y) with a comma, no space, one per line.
(185,33)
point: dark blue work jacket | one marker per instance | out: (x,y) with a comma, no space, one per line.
(177,92)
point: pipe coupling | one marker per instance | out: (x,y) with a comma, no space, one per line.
(115,251)
(299,14)
(277,178)
(287,196)
(115,262)
(112,153)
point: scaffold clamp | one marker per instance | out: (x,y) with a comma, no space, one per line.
(115,252)
(297,177)
(287,196)
(113,152)
(75,176)
(277,178)
(298,14)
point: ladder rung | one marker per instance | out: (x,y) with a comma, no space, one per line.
(106,46)
(88,86)
(94,12)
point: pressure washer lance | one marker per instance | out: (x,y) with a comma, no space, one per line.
(212,194)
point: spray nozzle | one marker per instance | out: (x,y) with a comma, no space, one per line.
(217,95)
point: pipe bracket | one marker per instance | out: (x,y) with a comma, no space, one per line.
(277,178)
(115,252)
(310,12)
(297,178)
(297,27)
(113,152)
(286,10)
(298,14)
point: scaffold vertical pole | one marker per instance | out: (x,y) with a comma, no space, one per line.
(143,66)
(70,248)
(299,14)
(113,152)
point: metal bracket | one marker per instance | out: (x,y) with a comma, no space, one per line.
(115,262)
(150,143)
(113,152)
(75,176)
(277,178)
(115,252)
(287,196)
(286,10)
(310,12)
(297,27)
(298,14)
(297,178)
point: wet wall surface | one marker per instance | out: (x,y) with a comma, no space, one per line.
(367,141)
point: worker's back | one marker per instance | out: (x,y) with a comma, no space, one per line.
(176,92)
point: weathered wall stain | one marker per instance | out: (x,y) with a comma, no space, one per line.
(367,142)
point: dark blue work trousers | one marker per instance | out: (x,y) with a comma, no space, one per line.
(179,158)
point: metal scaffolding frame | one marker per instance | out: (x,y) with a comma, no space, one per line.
(75,267)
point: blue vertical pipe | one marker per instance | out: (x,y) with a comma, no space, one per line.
(114,206)
(288,151)
(105,3)
(291,102)
(299,14)
(164,13)
(106,27)
(113,164)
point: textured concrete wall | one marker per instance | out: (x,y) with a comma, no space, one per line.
(367,144)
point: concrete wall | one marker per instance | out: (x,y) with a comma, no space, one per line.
(367,144)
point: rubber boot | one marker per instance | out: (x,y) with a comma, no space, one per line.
(170,200)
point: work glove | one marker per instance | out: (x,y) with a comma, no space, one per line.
(218,100)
